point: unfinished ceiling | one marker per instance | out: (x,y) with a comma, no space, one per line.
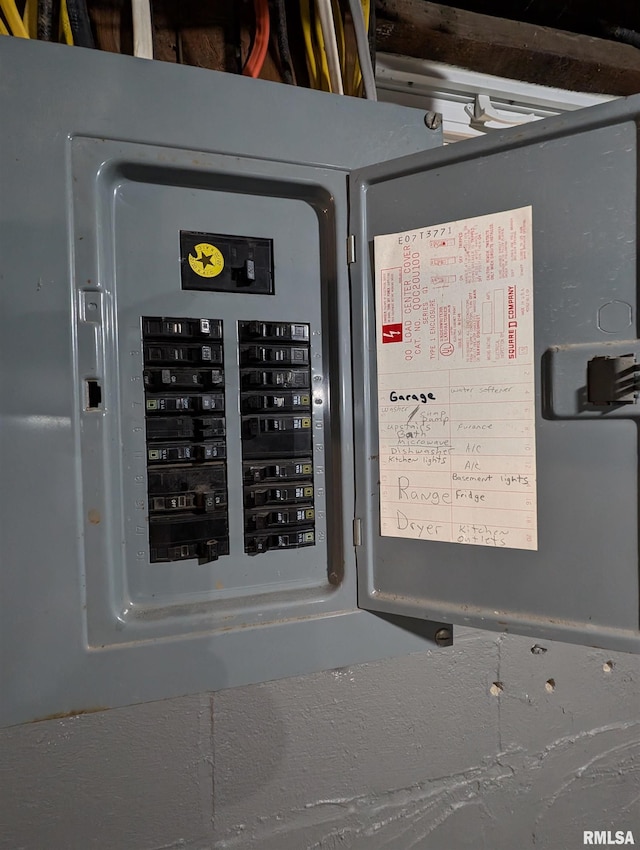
(602,19)
(569,44)
(533,52)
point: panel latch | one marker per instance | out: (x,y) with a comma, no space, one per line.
(612,380)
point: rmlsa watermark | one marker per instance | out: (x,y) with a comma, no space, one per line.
(606,837)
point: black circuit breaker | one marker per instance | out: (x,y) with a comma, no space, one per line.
(277,446)
(186,443)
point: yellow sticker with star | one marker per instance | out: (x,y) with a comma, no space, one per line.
(208,260)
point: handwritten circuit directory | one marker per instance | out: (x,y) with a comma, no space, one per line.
(456,382)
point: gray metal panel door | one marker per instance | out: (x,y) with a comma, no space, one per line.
(578,173)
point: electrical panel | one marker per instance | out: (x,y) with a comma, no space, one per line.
(180,427)
(192,435)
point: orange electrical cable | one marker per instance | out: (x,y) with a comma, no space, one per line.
(258,54)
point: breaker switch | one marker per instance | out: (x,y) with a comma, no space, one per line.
(245,275)
(255,544)
(215,450)
(285,378)
(170,427)
(274,331)
(184,404)
(279,495)
(211,501)
(162,328)
(187,479)
(182,536)
(194,502)
(209,426)
(275,354)
(170,453)
(161,379)
(252,427)
(285,400)
(284,470)
(274,519)
(201,354)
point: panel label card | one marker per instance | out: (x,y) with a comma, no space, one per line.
(456,382)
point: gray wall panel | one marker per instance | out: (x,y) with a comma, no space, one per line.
(133,777)
(412,753)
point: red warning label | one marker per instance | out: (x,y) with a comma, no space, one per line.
(392,333)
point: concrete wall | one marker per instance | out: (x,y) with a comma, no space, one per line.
(493,743)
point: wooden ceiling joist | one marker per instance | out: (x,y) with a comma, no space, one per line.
(506,48)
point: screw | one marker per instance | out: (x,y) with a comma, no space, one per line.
(433,120)
(443,637)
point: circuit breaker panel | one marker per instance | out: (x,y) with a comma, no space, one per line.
(180,424)
(223,380)
(192,434)
(186,437)
(277,445)
(186,445)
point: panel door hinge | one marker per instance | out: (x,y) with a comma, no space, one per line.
(357,532)
(351,249)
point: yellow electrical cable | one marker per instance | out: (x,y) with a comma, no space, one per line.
(14,20)
(3,29)
(321,57)
(305,17)
(30,18)
(65,24)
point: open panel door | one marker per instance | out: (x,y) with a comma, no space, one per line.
(511,273)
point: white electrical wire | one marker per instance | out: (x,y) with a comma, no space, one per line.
(327,23)
(362,43)
(142,32)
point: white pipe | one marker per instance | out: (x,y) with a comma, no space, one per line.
(142,31)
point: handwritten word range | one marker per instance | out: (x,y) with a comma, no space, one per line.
(456,382)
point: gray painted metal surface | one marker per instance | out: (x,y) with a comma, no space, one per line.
(110,160)
(130,202)
(579,174)
(84,625)
(411,753)
(421,751)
